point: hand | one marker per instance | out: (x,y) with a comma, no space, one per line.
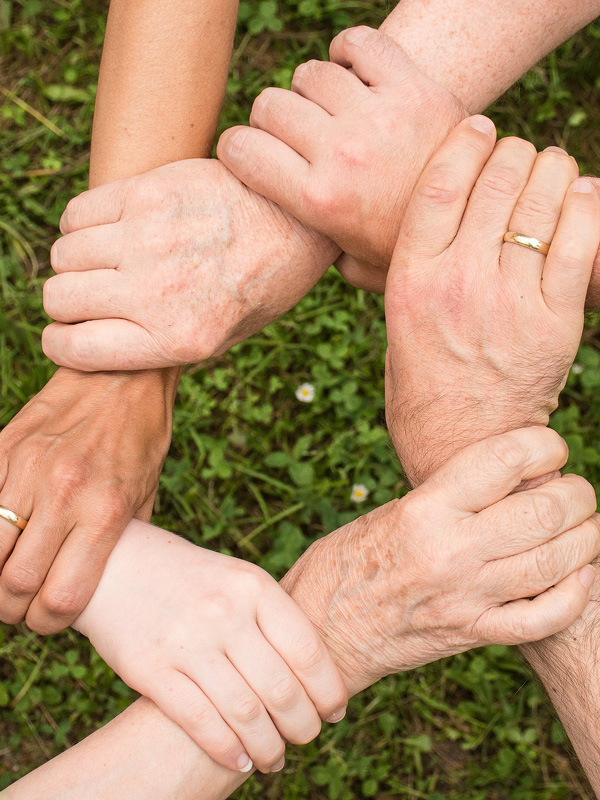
(453,564)
(173,267)
(481,333)
(342,151)
(216,644)
(78,461)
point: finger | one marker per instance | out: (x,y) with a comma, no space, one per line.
(537,212)
(185,703)
(531,620)
(15,498)
(105,345)
(90,248)
(27,565)
(534,571)
(268,166)
(74,572)
(489,470)
(279,689)
(329,86)
(80,296)
(241,709)
(147,509)
(495,196)
(290,118)
(527,519)
(568,266)
(435,210)
(303,650)
(100,206)
(374,57)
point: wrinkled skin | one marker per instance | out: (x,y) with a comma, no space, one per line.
(435,573)
(186,263)
(481,333)
(342,151)
(78,464)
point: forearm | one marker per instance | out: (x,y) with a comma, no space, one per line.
(139,754)
(478,50)
(128,756)
(162,81)
(568,665)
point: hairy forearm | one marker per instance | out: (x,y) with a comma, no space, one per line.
(568,665)
(478,50)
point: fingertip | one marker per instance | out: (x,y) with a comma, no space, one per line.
(244,763)
(230,146)
(482,124)
(586,576)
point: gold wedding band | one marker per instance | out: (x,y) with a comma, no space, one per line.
(527,241)
(15,519)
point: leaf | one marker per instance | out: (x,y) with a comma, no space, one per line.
(301,473)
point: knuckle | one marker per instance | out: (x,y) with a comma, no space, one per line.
(66,478)
(537,205)
(505,451)
(62,601)
(307,71)
(323,200)
(21,580)
(309,654)
(441,187)
(247,710)
(500,181)
(352,153)
(115,509)
(199,716)
(547,564)
(285,692)
(547,511)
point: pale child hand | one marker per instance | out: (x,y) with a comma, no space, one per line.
(218,646)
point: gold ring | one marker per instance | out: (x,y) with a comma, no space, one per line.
(15,519)
(527,241)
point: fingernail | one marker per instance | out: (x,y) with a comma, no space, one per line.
(244,763)
(356,35)
(587,575)
(482,124)
(337,715)
(278,766)
(554,149)
(582,186)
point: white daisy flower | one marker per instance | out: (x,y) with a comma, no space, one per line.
(305,393)
(359,493)
(577,369)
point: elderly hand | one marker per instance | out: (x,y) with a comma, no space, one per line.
(482,333)
(343,150)
(453,565)
(173,267)
(216,644)
(78,461)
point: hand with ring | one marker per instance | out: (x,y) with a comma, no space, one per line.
(483,327)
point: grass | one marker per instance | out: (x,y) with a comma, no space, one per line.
(253,472)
